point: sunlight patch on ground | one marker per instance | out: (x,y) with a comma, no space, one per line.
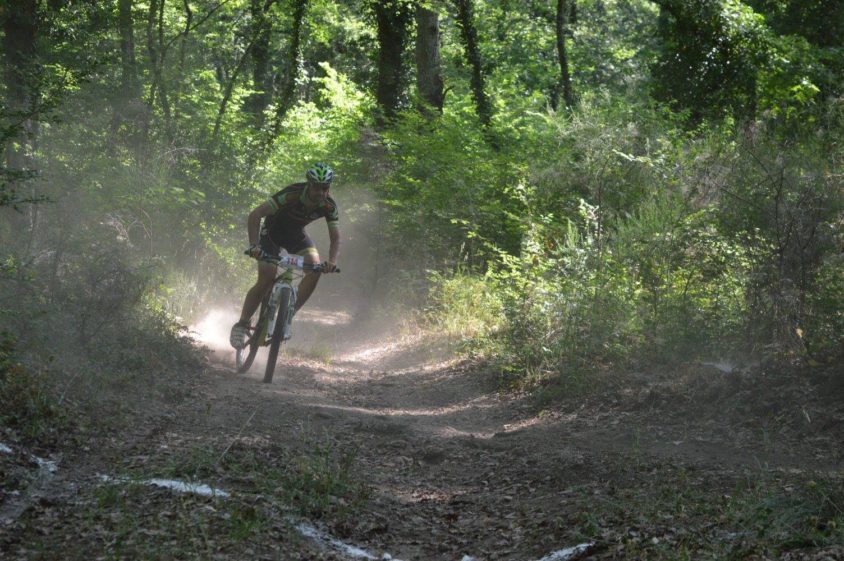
(49,466)
(421,412)
(370,353)
(513,427)
(323,317)
(400,354)
(329,542)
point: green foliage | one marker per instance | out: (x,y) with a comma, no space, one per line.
(809,515)
(637,241)
(326,129)
(711,55)
(26,403)
(727,57)
(466,306)
(448,202)
(785,205)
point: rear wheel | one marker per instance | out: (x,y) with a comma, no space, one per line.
(246,356)
(285,308)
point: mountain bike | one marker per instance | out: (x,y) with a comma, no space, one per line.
(275,315)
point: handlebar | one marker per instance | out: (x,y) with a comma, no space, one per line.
(295,261)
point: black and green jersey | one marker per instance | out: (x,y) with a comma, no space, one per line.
(293,212)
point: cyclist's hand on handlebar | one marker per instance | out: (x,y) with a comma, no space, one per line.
(329,267)
(254,251)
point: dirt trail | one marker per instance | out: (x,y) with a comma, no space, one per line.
(454,469)
(459,469)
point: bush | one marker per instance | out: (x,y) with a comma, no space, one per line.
(638,243)
(26,405)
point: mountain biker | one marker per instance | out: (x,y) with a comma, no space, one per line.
(280,223)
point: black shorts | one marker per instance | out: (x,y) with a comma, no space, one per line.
(294,241)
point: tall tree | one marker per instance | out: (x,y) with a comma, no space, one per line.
(392,18)
(429,80)
(469,35)
(127,105)
(157,53)
(564,10)
(129,84)
(288,92)
(261,75)
(20,26)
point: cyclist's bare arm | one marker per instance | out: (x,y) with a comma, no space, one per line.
(253,223)
(334,248)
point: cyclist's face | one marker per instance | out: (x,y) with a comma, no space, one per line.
(317,192)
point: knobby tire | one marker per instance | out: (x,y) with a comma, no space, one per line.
(251,349)
(284,308)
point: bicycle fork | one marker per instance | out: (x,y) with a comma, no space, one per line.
(285,280)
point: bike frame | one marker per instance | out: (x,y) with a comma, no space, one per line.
(276,313)
(283,280)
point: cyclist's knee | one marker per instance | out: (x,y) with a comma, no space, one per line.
(311,255)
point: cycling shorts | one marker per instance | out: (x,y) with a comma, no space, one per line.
(293,240)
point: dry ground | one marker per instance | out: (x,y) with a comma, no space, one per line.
(392,451)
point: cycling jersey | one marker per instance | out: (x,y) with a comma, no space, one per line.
(293,211)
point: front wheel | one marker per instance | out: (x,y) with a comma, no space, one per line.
(285,308)
(245,356)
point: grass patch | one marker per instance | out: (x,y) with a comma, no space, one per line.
(676,514)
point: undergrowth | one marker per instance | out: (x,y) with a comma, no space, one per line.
(640,246)
(317,481)
(27,406)
(90,344)
(678,514)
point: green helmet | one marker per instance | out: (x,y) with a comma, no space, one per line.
(321,173)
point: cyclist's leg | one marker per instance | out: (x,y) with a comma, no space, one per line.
(307,249)
(266,275)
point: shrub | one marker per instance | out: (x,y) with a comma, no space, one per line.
(26,404)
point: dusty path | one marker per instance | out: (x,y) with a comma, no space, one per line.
(417,457)
(458,469)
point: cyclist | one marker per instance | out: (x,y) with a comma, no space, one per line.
(280,223)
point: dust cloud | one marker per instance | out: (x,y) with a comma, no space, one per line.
(350,314)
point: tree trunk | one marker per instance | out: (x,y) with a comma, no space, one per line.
(155,45)
(469,35)
(429,79)
(20,27)
(183,45)
(128,107)
(288,93)
(392,17)
(261,76)
(564,9)
(227,92)
(130,87)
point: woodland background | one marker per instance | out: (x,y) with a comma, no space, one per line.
(565,187)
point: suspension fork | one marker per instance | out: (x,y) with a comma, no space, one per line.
(284,279)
